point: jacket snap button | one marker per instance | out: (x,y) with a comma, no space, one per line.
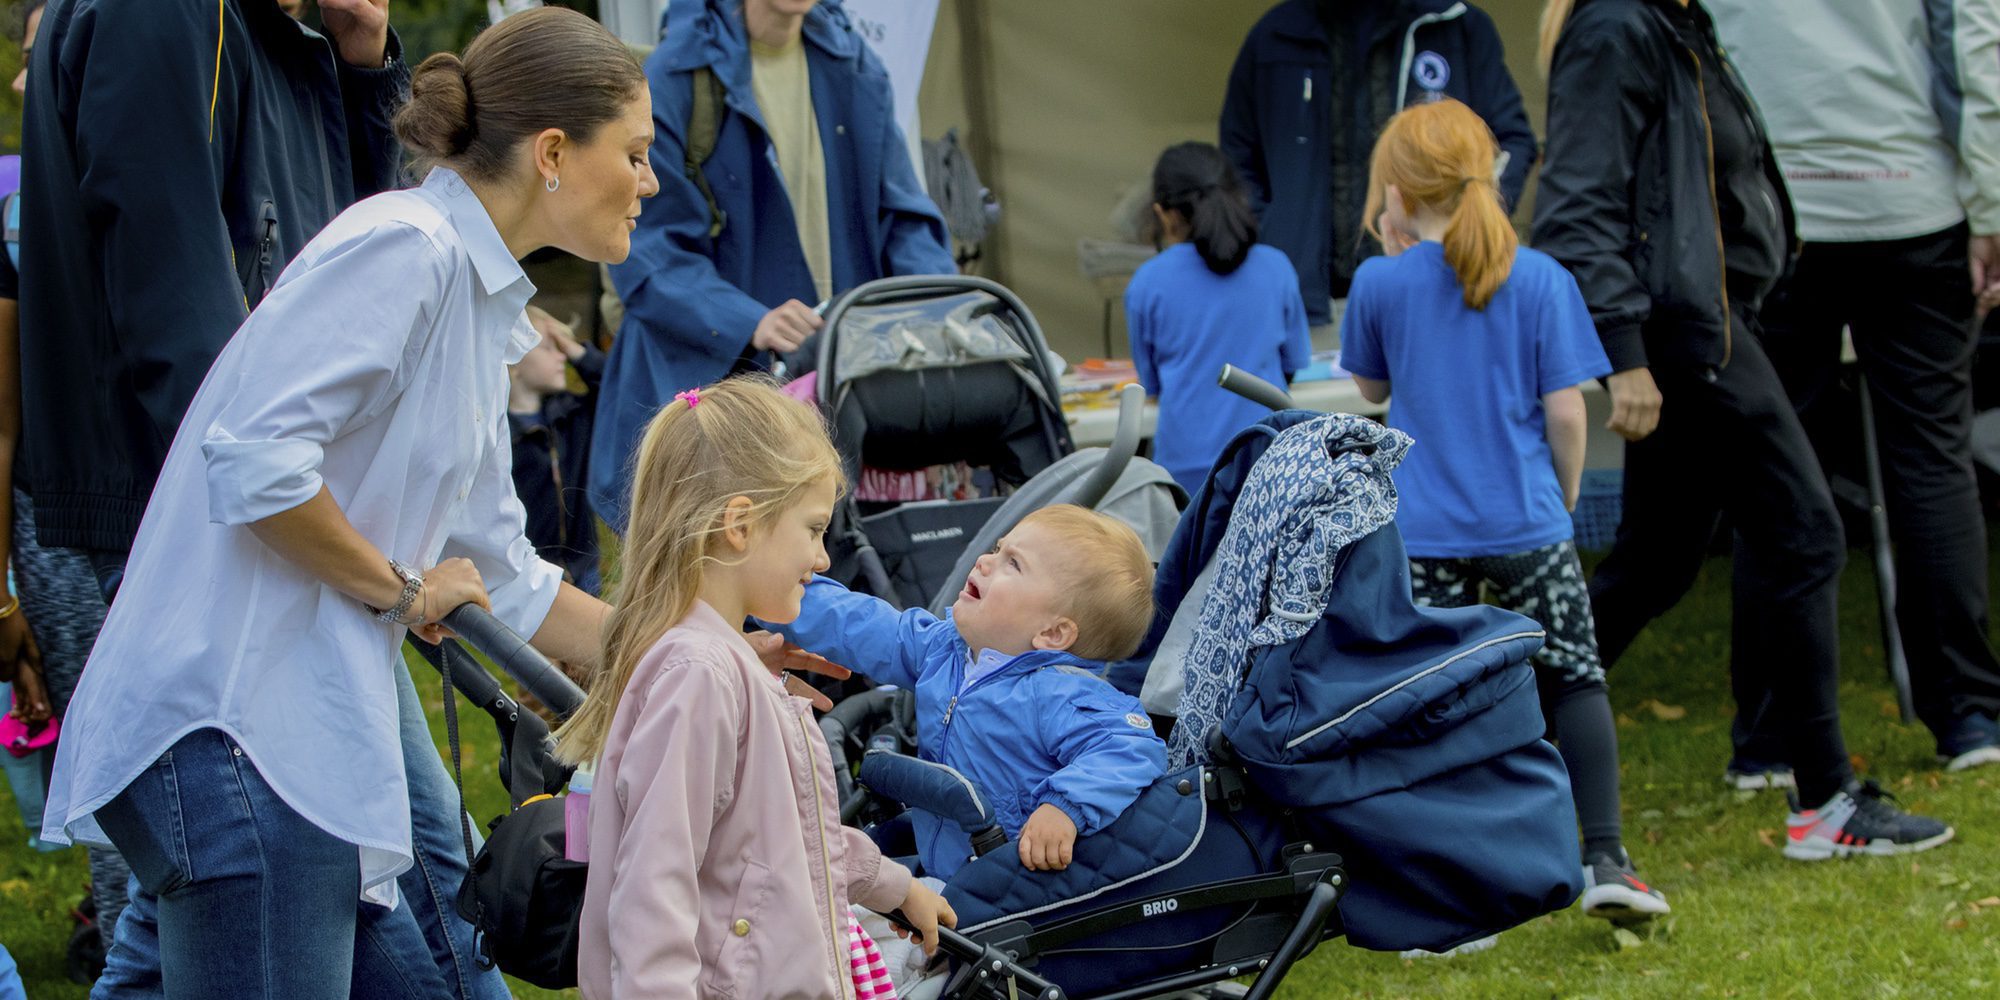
(1185,787)
(742,928)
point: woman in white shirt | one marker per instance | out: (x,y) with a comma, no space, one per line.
(342,475)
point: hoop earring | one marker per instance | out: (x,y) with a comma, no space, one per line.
(552,183)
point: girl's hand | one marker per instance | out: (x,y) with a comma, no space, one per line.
(31,695)
(925,910)
(446,586)
(783,658)
(17,645)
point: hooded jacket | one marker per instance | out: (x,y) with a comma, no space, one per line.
(692,301)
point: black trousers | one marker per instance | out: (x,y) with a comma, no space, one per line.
(1729,441)
(1909,306)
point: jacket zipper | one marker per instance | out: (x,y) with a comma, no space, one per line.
(1452,13)
(825,855)
(1715,210)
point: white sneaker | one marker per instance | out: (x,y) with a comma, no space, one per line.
(1468,948)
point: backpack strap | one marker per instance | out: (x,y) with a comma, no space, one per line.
(704,122)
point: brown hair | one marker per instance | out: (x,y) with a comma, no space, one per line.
(1441,155)
(549,67)
(742,438)
(1111,586)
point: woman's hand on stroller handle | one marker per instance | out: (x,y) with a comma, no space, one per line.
(783,329)
(787,658)
(447,585)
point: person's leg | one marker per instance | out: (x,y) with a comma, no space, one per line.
(430,887)
(1443,583)
(1914,336)
(132,957)
(1670,509)
(254,900)
(1789,551)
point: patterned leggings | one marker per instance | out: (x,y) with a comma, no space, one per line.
(1547,585)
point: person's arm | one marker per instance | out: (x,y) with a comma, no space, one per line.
(1361,337)
(1600,96)
(1563,419)
(669,283)
(1497,99)
(374,83)
(864,633)
(678,771)
(915,240)
(1295,350)
(1239,133)
(1975,46)
(1140,330)
(151,113)
(1108,751)
(20,656)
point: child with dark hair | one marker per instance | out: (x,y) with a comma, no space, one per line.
(1213,296)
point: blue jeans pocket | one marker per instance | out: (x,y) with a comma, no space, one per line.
(145,821)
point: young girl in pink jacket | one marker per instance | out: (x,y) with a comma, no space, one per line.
(719,867)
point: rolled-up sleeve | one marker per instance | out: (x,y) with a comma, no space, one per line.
(306,369)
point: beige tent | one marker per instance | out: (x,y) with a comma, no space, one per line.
(1065,104)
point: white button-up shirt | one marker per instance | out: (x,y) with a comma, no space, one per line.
(377,368)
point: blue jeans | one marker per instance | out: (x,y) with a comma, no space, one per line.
(389,948)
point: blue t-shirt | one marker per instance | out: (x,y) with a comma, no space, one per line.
(1186,322)
(1468,384)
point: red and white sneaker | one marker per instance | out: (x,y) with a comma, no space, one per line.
(1859,820)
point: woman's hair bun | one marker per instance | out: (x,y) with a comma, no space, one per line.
(436,124)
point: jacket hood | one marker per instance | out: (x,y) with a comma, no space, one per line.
(1298,20)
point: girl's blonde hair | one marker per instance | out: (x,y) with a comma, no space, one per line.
(737,438)
(1554,16)
(1441,155)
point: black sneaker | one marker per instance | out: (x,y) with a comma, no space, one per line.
(1858,820)
(1973,740)
(1612,891)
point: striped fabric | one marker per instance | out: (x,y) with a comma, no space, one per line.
(871,976)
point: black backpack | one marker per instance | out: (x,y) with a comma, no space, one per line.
(526,898)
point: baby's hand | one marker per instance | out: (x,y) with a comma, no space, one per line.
(925,910)
(1046,839)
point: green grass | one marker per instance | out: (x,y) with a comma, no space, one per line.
(1746,922)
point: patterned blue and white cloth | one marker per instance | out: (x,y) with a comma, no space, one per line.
(1319,487)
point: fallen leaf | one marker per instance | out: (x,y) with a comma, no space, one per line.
(1628,940)
(1957,924)
(1743,956)
(1663,711)
(1988,901)
(1859,762)
(1769,838)
(1653,836)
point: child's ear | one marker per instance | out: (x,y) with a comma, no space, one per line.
(736,522)
(1057,635)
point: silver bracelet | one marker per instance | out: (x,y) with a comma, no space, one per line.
(413,584)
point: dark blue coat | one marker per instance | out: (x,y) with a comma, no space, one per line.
(1301,116)
(162,194)
(691,302)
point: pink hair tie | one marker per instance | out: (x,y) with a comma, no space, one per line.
(692,397)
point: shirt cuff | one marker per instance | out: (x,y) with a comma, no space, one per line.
(252,480)
(523,602)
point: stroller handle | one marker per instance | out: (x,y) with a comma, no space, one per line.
(1254,389)
(989,962)
(1124,445)
(513,654)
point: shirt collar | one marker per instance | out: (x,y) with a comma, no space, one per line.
(495,264)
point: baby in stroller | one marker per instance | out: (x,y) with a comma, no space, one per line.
(1008,683)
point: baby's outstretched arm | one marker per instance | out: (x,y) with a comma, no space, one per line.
(865,634)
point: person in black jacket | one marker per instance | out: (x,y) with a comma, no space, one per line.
(1312,87)
(1661,196)
(164,191)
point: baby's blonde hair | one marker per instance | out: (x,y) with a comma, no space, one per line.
(1111,579)
(737,438)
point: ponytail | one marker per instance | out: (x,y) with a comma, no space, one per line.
(1479,241)
(1194,180)
(1441,156)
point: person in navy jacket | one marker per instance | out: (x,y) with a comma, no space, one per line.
(701,303)
(1311,89)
